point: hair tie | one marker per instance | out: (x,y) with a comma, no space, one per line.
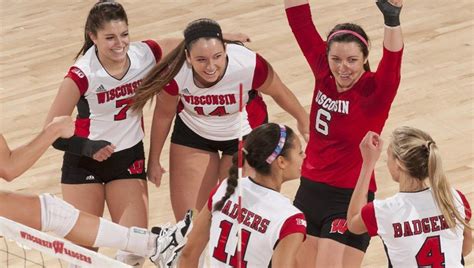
(279,147)
(428,144)
(362,39)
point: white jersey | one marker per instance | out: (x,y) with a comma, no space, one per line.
(267,216)
(103,109)
(414,231)
(213,112)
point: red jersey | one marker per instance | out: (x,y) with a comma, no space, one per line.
(339,121)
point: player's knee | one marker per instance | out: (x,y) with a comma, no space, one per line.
(6,203)
(57,216)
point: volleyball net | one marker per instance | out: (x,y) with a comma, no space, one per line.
(22,246)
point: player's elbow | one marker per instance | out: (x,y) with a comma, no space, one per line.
(350,227)
(466,249)
(467,242)
(354,227)
(187,259)
(8,174)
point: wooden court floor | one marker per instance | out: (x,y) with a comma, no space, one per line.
(38,40)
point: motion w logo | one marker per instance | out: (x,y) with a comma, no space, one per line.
(136,167)
(339,226)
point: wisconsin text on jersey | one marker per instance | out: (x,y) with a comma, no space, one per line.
(120,91)
(419,226)
(340,106)
(249,218)
(225,99)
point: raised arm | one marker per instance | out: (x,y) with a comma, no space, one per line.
(14,162)
(388,74)
(370,148)
(309,40)
(293,3)
(393,39)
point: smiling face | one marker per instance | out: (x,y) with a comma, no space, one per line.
(208,59)
(346,62)
(112,41)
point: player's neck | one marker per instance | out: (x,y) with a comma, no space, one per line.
(268,182)
(115,68)
(409,184)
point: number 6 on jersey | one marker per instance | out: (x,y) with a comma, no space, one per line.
(322,119)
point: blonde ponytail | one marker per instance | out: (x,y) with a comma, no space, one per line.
(442,190)
(419,155)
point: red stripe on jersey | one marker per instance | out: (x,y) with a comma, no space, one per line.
(180,107)
(368,216)
(213,192)
(260,73)
(79,79)
(467,207)
(172,88)
(294,224)
(82,127)
(256,111)
(155,48)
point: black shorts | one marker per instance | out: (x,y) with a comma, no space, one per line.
(183,135)
(126,164)
(325,208)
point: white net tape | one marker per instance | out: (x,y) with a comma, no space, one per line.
(29,238)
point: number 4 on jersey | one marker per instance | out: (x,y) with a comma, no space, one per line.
(219,111)
(430,254)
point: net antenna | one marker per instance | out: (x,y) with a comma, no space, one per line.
(29,238)
(240,161)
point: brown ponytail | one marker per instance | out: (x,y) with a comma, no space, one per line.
(159,76)
(232,182)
